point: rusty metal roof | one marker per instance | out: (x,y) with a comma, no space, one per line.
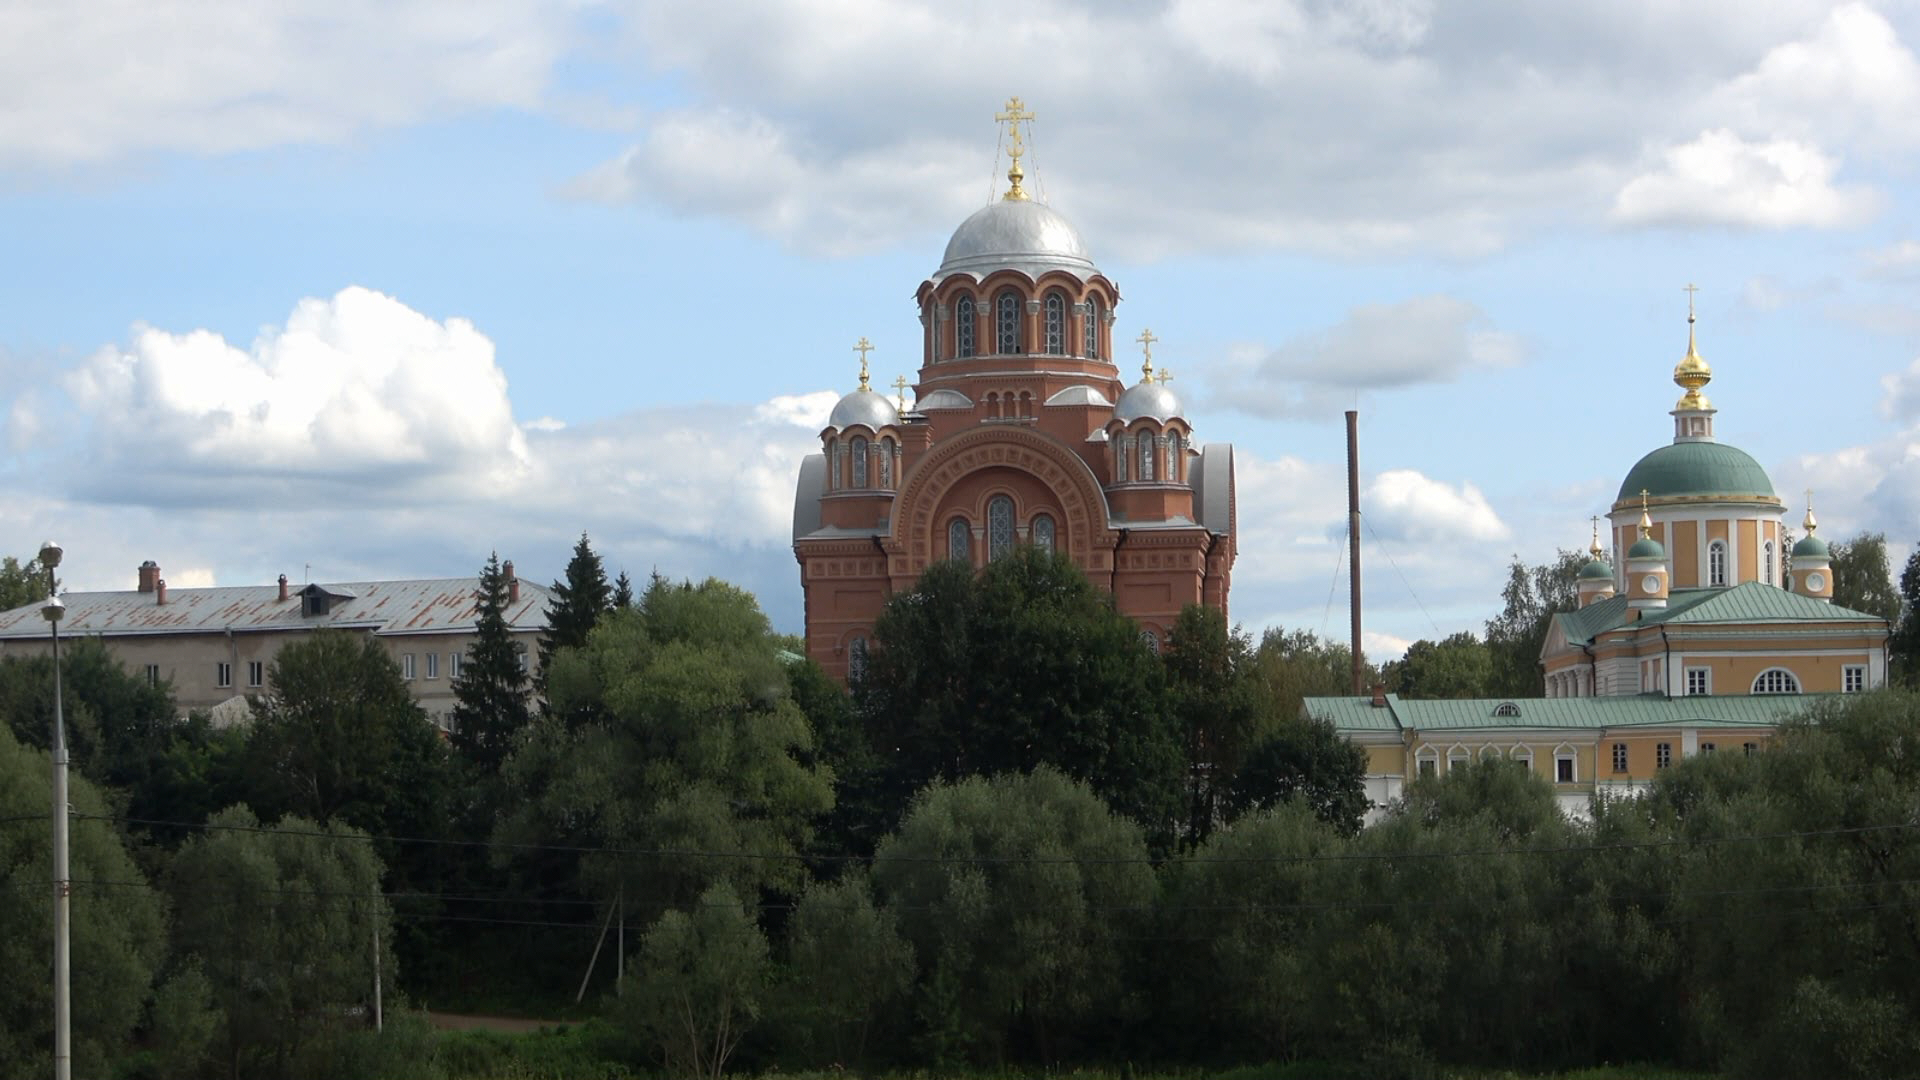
(421,606)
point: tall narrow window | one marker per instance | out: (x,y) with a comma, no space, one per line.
(1173,457)
(1716,563)
(1006,322)
(999,528)
(1146,458)
(1767,562)
(859,462)
(1056,324)
(1123,447)
(964,324)
(1042,532)
(857,658)
(833,465)
(960,540)
(886,464)
(1619,757)
(1091,345)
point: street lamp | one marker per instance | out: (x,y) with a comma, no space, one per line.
(52,610)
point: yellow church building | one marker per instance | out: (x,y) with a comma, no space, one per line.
(1704,637)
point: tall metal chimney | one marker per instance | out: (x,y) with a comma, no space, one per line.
(1353,544)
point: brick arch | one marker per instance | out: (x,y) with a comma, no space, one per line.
(1077,493)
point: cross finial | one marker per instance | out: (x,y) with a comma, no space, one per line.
(1163,377)
(1596,549)
(1690,288)
(900,390)
(1146,340)
(1646,520)
(863,347)
(1810,523)
(1013,115)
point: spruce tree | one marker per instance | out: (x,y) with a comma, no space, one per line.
(491,692)
(578,602)
(622,592)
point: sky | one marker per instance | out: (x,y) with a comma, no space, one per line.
(354,289)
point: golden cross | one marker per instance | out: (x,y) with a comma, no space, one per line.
(863,347)
(1690,289)
(1164,377)
(900,390)
(1596,535)
(1146,340)
(1015,112)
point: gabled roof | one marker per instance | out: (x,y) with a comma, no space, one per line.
(415,606)
(1752,602)
(1356,715)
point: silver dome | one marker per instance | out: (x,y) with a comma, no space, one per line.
(1080,395)
(863,407)
(1017,234)
(1146,399)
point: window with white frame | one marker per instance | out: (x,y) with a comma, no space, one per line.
(1458,758)
(433,665)
(1716,563)
(1708,748)
(964,322)
(223,675)
(256,673)
(1699,681)
(1662,755)
(1428,762)
(1766,553)
(1489,753)
(1523,757)
(153,674)
(1853,678)
(1619,757)
(406,666)
(1776,681)
(1563,766)
(453,664)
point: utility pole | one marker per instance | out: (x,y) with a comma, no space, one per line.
(373,921)
(1353,545)
(52,610)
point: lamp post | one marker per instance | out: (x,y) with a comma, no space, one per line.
(52,610)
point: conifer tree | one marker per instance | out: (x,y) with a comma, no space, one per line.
(578,602)
(622,592)
(491,692)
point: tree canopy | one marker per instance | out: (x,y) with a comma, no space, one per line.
(578,603)
(1862,578)
(492,709)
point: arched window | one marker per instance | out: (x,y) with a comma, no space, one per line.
(1151,640)
(960,540)
(1776,681)
(1042,532)
(833,465)
(1716,563)
(964,324)
(857,657)
(1092,344)
(1006,322)
(886,464)
(999,528)
(1056,324)
(1146,458)
(1766,563)
(859,462)
(1122,447)
(1173,457)
(1523,757)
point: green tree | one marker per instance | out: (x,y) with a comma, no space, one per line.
(21,585)
(1221,708)
(1862,579)
(1459,666)
(117,924)
(695,746)
(1299,664)
(622,591)
(117,723)
(1903,648)
(283,918)
(700,983)
(1016,892)
(1022,664)
(1303,759)
(491,708)
(577,604)
(848,969)
(1532,596)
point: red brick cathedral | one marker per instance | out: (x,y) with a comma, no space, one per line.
(1022,431)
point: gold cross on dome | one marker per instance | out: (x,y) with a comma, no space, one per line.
(1596,535)
(1164,377)
(1690,289)
(863,347)
(1146,340)
(1013,115)
(900,390)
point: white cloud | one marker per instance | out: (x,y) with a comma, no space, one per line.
(1902,400)
(809,411)
(1898,260)
(1721,178)
(354,388)
(91,82)
(1852,79)
(1427,339)
(1404,504)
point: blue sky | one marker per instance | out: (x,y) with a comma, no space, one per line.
(354,289)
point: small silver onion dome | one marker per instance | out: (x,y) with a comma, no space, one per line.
(1147,399)
(863,407)
(1017,234)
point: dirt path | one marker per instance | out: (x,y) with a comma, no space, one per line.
(509,1025)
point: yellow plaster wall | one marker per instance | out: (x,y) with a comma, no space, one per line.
(1685,554)
(1749,552)
(1387,761)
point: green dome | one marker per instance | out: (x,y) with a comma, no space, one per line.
(1596,570)
(1696,468)
(1810,547)
(1646,548)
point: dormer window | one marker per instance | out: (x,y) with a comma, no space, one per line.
(316,601)
(1506,708)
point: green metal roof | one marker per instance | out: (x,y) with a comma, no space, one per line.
(1810,547)
(1595,570)
(1356,715)
(1752,602)
(1646,548)
(1696,468)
